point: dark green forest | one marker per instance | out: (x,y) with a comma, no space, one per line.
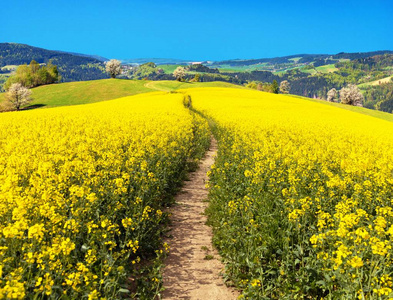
(34,75)
(71,67)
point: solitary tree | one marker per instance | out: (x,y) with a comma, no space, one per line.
(332,95)
(113,67)
(275,87)
(179,73)
(252,85)
(18,95)
(351,95)
(197,78)
(285,87)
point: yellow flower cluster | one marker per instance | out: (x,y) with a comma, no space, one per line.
(81,190)
(301,195)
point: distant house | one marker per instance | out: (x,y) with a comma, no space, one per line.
(125,69)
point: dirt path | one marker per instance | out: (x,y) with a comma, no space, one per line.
(152,85)
(193,268)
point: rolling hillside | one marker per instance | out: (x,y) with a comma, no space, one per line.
(84,92)
(310,75)
(299,59)
(168,85)
(376,82)
(76,93)
(71,67)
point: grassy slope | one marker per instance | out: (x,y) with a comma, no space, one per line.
(376,82)
(286,69)
(232,69)
(326,68)
(321,69)
(83,92)
(166,85)
(168,69)
(308,71)
(227,70)
(295,59)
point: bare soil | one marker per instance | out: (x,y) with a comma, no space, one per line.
(192,268)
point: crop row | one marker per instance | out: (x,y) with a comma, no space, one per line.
(300,197)
(82,190)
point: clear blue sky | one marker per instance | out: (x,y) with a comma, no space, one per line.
(199,29)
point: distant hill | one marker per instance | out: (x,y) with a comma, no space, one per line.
(71,67)
(274,60)
(300,58)
(100,58)
(157,61)
(358,55)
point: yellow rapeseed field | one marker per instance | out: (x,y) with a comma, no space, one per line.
(81,192)
(301,196)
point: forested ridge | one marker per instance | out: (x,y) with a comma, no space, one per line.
(71,67)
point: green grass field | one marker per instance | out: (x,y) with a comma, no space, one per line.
(166,85)
(321,69)
(168,69)
(84,92)
(326,68)
(282,71)
(295,59)
(376,82)
(227,70)
(308,71)
(233,69)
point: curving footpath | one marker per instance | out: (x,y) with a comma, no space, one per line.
(192,269)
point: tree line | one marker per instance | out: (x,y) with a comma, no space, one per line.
(33,75)
(28,76)
(71,67)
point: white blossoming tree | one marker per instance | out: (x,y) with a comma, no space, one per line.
(179,73)
(332,95)
(351,95)
(285,87)
(113,67)
(18,95)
